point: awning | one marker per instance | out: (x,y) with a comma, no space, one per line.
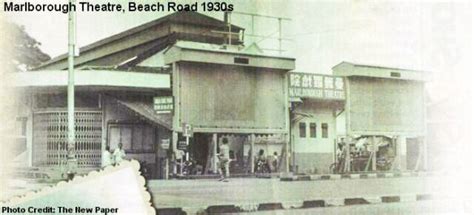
(146,111)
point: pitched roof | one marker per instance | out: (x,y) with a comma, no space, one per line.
(191,18)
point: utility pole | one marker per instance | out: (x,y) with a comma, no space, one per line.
(71,142)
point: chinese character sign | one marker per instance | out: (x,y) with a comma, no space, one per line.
(316,86)
(163,104)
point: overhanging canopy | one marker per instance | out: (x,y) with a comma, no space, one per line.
(146,111)
(88,78)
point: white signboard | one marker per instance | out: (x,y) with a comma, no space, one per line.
(163,104)
(316,86)
(187,130)
(165,143)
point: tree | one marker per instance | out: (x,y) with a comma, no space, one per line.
(19,50)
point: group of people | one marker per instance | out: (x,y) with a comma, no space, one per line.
(265,164)
(109,158)
(262,162)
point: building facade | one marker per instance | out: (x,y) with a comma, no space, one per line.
(217,87)
(172,89)
(316,102)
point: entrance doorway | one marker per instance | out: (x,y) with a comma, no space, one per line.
(50,138)
(203,150)
(199,152)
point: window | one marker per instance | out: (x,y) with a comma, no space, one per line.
(302,129)
(312,130)
(324,130)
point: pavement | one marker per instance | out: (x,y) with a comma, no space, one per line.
(19,187)
(196,195)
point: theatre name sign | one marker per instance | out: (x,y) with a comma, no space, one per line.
(305,85)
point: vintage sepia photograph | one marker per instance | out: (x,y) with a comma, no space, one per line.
(236,107)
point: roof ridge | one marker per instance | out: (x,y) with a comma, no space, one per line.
(130,31)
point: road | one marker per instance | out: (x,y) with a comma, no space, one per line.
(406,208)
(201,193)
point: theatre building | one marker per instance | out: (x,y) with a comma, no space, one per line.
(316,101)
(146,86)
(174,88)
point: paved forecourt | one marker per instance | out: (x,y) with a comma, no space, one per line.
(253,193)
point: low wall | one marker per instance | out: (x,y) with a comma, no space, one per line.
(313,162)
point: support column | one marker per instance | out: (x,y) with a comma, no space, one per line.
(214,153)
(173,151)
(293,154)
(374,154)
(167,172)
(398,148)
(347,156)
(402,143)
(252,150)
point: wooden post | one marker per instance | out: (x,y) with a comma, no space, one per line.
(252,150)
(347,157)
(214,153)
(293,153)
(374,154)
(167,169)
(187,148)
(173,151)
(176,114)
(397,163)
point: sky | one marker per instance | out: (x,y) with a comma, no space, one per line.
(432,36)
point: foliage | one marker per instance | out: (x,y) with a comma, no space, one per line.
(19,50)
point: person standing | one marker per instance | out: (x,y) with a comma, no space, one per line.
(106,157)
(275,162)
(119,154)
(224,159)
